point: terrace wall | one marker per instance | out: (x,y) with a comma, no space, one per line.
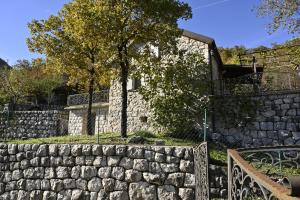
(32,124)
(275,120)
(96,172)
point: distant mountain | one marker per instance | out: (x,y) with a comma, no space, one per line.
(3,64)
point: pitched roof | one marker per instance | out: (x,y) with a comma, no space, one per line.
(207,40)
(198,37)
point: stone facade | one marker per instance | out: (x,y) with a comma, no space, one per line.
(137,110)
(276,122)
(32,124)
(96,172)
(108,118)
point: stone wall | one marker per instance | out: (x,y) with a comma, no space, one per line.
(32,124)
(276,121)
(96,172)
(75,122)
(218,181)
(136,110)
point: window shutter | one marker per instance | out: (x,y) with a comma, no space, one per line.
(129,84)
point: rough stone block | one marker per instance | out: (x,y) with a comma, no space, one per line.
(167,192)
(142,190)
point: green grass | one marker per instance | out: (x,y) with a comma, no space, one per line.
(272,170)
(105,138)
(114,138)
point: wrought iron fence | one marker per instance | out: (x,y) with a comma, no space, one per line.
(259,83)
(81,99)
(201,160)
(284,57)
(257,173)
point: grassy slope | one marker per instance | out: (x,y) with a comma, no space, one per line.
(114,138)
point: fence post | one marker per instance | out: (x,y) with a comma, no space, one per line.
(205,124)
(229,166)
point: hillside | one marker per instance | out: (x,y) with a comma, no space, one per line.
(3,63)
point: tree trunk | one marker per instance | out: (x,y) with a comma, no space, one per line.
(89,127)
(124,77)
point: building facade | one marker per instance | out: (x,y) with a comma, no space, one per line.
(107,105)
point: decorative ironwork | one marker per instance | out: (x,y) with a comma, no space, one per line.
(81,99)
(283,157)
(247,182)
(202,172)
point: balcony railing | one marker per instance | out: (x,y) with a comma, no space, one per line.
(258,173)
(81,99)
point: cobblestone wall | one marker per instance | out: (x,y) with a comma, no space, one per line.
(32,124)
(96,172)
(276,122)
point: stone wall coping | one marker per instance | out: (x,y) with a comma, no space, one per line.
(34,112)
(95,105)
(283,92)
(116,145)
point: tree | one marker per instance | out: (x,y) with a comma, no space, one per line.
(177,91)
(231,55)
(284,13)
(138,23)
(73,43)
(27,78)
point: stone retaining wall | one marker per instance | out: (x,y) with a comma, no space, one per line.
(218,181)
(32,124)
(96,172)
(276,121)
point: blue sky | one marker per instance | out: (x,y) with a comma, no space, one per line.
(229,22)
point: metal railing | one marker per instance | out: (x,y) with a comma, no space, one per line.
(286,56)
(249,174)
(259,83)
(201,160)
(81,99)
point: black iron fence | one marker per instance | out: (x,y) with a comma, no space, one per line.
(258,83)
(81,99)
(258,173)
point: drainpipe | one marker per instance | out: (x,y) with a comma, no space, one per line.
(212,88)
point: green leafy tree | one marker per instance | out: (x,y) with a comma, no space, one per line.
(8,92)
(177,91)
(74,44)
(138,23)
(28,79)
(284,13)
(231,55)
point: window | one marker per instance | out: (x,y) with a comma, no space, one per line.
(134,84)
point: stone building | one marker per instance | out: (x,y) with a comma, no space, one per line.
(107,104)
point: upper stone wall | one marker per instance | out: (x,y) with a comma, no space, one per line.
(194,46)
(32,124)
(276,121)
(96,172)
